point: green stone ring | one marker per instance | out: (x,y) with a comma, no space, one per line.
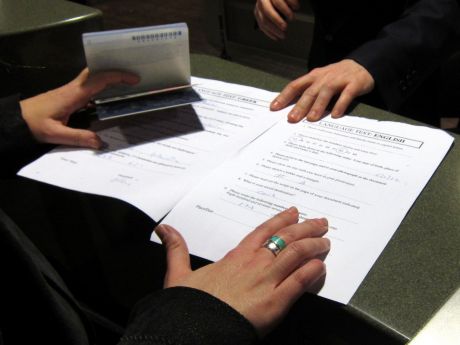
(275,244)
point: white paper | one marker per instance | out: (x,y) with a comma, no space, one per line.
(363,175)
(152,160)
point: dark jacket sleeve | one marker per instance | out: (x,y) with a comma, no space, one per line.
(185,316)
(18,146)
(15,136)
(408,50)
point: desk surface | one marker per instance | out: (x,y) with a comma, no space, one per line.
(102,244)
(21,16)
(419,269)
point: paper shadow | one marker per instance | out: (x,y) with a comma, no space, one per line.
(150,127)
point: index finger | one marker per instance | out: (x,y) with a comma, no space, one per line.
(99,81)
(291,91)
(257,237)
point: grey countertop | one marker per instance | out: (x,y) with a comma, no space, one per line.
(21,16)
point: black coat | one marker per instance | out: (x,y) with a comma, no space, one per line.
(402,43)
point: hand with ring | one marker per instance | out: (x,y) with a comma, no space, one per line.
(278,261)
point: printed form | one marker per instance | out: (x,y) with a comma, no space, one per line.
(151,160)
(362,175)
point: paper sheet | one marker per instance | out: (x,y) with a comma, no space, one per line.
(363,175)
(152,160)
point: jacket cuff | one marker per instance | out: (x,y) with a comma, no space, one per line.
(182,315)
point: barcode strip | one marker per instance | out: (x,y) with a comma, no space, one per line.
(157,36)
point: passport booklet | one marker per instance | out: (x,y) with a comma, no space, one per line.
(159,55)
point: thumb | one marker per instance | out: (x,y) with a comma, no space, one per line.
(177,256)
(60,134)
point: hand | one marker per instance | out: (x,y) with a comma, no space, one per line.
(346,79)
(269,16)
(47,114)
(250,278)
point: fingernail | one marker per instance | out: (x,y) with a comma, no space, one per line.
(311,116)
(294,115)
(322,221)
(292,210)
(162,231)
(275,105)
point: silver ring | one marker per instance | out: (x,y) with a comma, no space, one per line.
(275,244)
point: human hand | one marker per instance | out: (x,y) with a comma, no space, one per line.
(346,79)
(47,114)
(250,278)
(269,16)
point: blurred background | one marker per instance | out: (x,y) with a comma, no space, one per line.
(223,28)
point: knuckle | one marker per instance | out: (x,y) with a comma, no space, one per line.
(329,86)
(261,227)
(233,254)
(315,71)
(348,93)
(47,132)
(293,86)
(300,279)
(310,92)
(287,237)
(295,248)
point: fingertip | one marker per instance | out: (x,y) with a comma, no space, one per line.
(293,210)
(162,232)
(282,26)
(320,266)
(328,242)
(95,143)
(321,224)
(167,233)
(275,105)
(291,119)
(91,140)
(335,114)
(312,116)
(294,116)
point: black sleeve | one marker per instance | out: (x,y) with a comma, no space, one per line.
(17,143)
(14,133)
(185,316)
(408,50)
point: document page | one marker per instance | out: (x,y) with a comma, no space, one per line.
(151,160)
(362,175)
